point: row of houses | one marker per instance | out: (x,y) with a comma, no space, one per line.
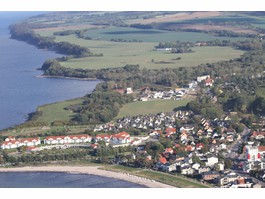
(176,94)
(115,139)
(152,121)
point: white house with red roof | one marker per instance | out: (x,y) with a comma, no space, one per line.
(208,82)
(254,153)
(120,138)
(68,139)
(103,137)
(12,142)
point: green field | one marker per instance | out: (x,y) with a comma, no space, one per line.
(173,180)
(118,54)
(56,112)
(150,107)
(150,35)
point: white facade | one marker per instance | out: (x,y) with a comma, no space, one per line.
(252,153)
(201,78)
(13,143)
(211,161)
(67,139)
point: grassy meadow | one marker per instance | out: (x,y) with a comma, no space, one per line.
(150,107)
(56,112)
(118,54)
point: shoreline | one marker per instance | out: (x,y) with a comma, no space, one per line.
(61,77)
(91,170)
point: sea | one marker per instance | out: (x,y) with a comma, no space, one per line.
(60,180)
(20,90)
(20,94)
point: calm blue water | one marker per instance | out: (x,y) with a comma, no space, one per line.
(60,180)
(20,91)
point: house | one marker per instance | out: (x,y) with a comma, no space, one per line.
(210,175)
(187,170)
(170,130)
(120,138)
(187,129)
(12,143)
(196,166)
(163,49)
(242,182)
(208,82)
(68,139)
(230,138)
(204,169)
(227,178)
(230,131)
(201,78)
(169,150)
(211,161)
(129,90)
(253,153)
(199,146)
(103,137)
(258,135)
(162,160)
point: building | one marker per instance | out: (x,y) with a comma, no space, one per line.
(254,153)
(68,139)
(12,142)
(201,78)
(120,138)
(103,137)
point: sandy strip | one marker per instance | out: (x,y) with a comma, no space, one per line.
(94,170)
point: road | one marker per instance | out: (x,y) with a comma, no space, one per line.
(234,147)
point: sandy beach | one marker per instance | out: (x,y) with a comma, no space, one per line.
(94,170)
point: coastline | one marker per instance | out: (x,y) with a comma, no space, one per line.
(61,77)
(92,170)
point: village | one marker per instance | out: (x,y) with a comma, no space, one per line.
(208,150)
(206,154)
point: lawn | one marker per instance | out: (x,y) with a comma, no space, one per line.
(150,107)
(118,54)
(174,180)
(56,112)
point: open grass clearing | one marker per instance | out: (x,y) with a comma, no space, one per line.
(56,111)
(150,107)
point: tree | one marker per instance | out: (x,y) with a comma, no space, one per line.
(228,163)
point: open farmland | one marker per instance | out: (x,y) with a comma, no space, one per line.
(176,17)
(150,107)
(118,54)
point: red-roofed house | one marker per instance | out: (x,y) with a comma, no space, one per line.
(104,137)
(208,82)
(13,143)
(189,148)
(68,139)
(199,146)
(120,138)
(170,130)
(258,135)
(163,160)
(254,153)
(169,150)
